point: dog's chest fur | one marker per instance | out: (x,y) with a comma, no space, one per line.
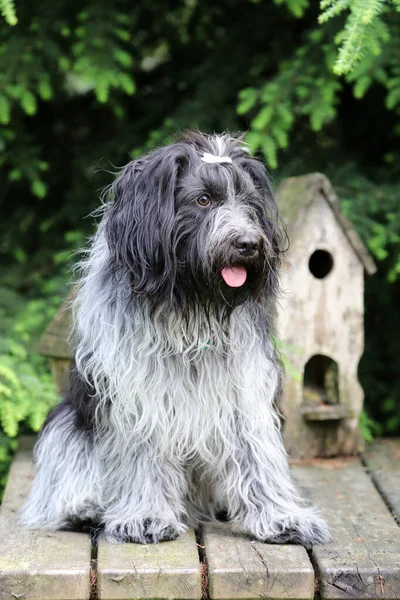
(193,389)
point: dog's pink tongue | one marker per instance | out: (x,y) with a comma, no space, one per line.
(234,276)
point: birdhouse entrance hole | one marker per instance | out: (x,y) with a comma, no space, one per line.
(320,263)
(321,390)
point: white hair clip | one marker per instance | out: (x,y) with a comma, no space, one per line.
(210,158)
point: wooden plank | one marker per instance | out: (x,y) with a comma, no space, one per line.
(363,559)
(324,412)
(382,458)
(37,565)
(241,568)
(165,570)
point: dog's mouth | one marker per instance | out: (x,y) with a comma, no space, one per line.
(234,276)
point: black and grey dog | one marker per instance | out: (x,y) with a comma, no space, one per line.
(170,418)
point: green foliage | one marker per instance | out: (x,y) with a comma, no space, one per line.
(27,391)
(369,428)
(306,85)
(296,7)
(100,61)
(375,214)
(90,53)
(7,9)
(26,388)
(364,32)
(303,87)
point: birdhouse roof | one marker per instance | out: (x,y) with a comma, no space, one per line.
(296,194)
(54,341)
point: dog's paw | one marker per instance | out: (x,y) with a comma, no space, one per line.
(154,533)
(304,526)
(149,531)
(306,531)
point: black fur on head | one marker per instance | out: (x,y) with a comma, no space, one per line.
(175,221)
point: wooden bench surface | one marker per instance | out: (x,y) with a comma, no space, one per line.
(363,559)
(38,564)
(359,498)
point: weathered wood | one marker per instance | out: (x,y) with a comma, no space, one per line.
(54,341)
(241,568)
(165,570)
(297,193)
(324,412)
(320,318)
(60,369)
(363,559)
(37,565)
(382,458)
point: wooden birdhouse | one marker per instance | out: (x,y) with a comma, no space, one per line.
(320,320)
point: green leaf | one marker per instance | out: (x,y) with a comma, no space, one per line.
(5,110)
(7,9)
(45,90)
(262,119)
(63,63)
(361,86)
(332,8)
(122,34)
(39,188)
(296,7)
(102,90)
(270,150)
(253,139)
(15,174)
(28,102)
(127,84)
(247,100)
(122,57)
(20,255)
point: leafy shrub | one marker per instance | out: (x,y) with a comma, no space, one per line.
(27,391)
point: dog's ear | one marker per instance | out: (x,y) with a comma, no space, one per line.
(270,216)
(140,219)
(258,173)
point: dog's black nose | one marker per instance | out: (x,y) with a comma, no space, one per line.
(247,245)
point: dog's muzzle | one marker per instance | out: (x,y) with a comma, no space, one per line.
(247,245)
(246,251)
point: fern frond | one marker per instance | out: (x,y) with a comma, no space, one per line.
(363,33)
(332,8)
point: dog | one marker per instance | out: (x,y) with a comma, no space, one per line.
(171,419)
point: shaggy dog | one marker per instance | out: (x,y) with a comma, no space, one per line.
(170,419)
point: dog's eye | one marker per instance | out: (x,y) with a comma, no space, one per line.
(204,200)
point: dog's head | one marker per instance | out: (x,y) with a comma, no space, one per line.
(196,221)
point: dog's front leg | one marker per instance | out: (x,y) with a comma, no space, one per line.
(149,507)
(261,499)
